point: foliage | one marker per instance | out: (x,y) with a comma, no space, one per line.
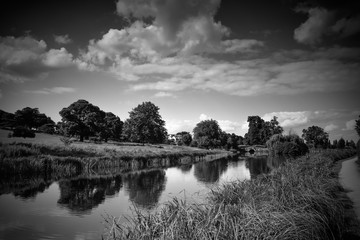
(31,118)
(111,127)
(341,143)
(183,138)
(207,134)
(316,136)
(81,118)
(48,128)
(66,140)
(357,126)
(260,131)
(7,120)
(145,125)
(290,144)
(23,132)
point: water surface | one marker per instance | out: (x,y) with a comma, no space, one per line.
(41,208)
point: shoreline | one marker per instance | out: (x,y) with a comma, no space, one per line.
(353,227)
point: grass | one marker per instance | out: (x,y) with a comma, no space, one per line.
(47,153)
(300,200)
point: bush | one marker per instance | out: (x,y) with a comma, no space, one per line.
(66,140)
(47,128)
(23,132)
(287,144)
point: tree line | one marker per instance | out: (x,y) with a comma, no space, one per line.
(84,120)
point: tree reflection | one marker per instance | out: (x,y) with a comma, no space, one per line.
(145,187)
(82,195)
(210,172)
(24,186)
(185,168)
(257,165)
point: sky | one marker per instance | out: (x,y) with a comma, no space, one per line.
(194,59)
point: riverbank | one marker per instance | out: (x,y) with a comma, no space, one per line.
(302,199)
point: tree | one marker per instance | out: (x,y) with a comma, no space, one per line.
(81,118)
(31,118)
(207,134)
(335,143)
(316,136)
(111,127)
(357,126)
(145,124)
(341,143)
(183,138)
(255,132)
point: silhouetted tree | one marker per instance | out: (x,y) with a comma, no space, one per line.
(31,118)
(111,127)
(316,136)
(81,118)
(145,124)
(341,143)
(357,126)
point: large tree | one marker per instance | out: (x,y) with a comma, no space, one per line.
(111,127)
(31,118)
(145,124)
(82,118)
(207,134)
(315,136)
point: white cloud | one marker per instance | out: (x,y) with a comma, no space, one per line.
(164,94)
(62,39)
(204,117)
(313,29)
(330,127)
(289,119)
(25,58)
(350,125)
(175,126)
(54,90)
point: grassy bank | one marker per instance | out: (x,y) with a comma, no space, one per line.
(300,200)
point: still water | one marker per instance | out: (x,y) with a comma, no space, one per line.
(39,208)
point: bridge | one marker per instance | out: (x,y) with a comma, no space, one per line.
(254,148)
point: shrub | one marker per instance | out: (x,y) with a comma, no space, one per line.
(290,144)
(47,128)
(66,140)
(23,132)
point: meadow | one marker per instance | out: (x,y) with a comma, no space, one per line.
(302,199)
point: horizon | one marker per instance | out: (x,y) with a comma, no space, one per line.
(209,59)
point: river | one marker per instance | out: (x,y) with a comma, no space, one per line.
(76,208)
(350,180)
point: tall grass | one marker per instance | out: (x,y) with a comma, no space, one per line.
(299,200)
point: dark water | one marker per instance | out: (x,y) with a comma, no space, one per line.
(350,179)
(41,208)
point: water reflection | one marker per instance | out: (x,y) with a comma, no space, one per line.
(145,187)
(81,195)
(210,172)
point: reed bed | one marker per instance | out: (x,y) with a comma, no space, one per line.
(300,200)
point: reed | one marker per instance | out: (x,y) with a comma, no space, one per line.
(299,200)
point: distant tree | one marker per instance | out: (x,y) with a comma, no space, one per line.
(145,124)
(48,128)
(335,143)
(256,132)
(352,144)
(207,134)
(24,132)
(81,118)
(341,143)
(290,144)
(183,138)
(315,136)
(111,127)
(31,118)
(7,120)
(357,126)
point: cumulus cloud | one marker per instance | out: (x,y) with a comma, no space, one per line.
(350,125)
(284,73)
(312,30)
(330,127)
(62,39)
(289,119)
(24,58)
(347,26)
(53,90)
